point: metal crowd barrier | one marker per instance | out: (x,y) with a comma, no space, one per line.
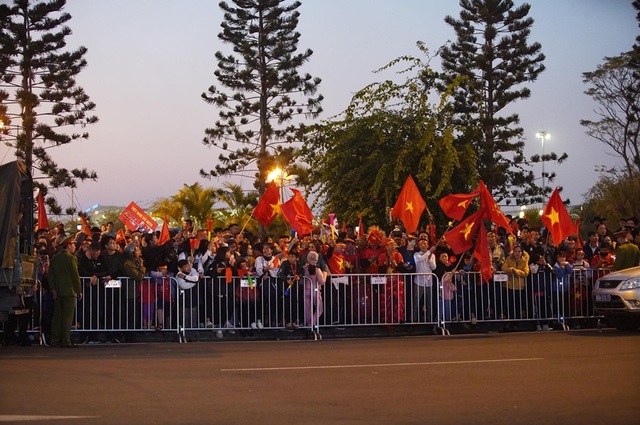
(111,310)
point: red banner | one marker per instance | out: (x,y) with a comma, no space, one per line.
(136,219)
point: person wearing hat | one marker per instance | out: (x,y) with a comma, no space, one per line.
(64,282)
(627,254)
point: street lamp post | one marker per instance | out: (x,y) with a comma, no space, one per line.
(281,178)
(543,135)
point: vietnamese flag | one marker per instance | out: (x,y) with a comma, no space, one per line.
(409,206)
(164,233)
(556,218)
(484,257)
(268,206)
(494,213)
(84,227)
(120,236)
(580,243)
(460,238)
(456,205)
(298,214)
(360,228)
(43,221)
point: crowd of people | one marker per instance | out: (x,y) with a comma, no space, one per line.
(311,280)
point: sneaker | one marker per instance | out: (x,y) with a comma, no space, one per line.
(230,327)
(259,324)
(289,326)
(547,328)
(538,327)
(209,323)
(218,334)
(253,325)
(474,321)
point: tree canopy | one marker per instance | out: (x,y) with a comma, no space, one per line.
(262,97)
(41,106)
(493,53)
(358,163)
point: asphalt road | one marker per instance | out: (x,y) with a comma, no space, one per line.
(577,377)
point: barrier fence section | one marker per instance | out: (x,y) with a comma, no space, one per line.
(225,305)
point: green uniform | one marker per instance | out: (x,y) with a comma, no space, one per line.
(65,281)
(627,256)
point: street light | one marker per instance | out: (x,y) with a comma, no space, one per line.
(281,178)
(543,135)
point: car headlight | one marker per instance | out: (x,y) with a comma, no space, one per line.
(630,284)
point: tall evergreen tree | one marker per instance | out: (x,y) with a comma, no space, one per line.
(39,97)
(493,53)
(260,87)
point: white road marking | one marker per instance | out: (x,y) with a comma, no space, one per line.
(23,418)
(261,369)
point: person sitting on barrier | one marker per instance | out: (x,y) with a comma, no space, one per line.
(187,278)
(267,267)
(421,300)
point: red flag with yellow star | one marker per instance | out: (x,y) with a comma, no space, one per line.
(298,214)
(164,233)
(43,221)
(493,211)
(556,218)
(84,227)
(456,205)
(484,257)
(460,238)
(269,205)
(409,206)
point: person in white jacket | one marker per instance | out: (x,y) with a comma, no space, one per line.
(422,292)
(187,278)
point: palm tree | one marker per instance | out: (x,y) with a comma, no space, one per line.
(192,201)
(240,204)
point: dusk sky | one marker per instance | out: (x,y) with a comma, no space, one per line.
(150,60)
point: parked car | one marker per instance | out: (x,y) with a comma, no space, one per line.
(616,296)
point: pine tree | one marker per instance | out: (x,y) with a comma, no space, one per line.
(260,111)
(39,97)
(492,52)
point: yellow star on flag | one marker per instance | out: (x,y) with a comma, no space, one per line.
(467,230)
(464,203)
(409,207)
(275,208)
(554,216)
(341,264)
